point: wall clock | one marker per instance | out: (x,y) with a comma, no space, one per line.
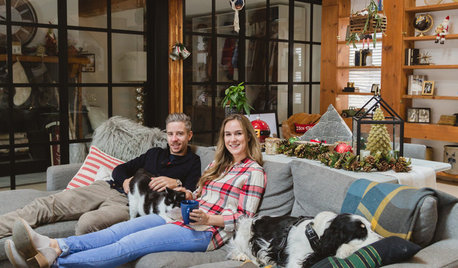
(21,11)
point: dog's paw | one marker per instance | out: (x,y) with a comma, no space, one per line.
(344,251)
(239,256)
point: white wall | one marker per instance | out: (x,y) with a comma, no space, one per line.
(446,80)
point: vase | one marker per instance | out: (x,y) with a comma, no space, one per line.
(450,155)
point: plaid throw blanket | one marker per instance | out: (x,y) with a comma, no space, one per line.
(392,209)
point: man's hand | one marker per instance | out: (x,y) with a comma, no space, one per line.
(125,185)
(160,183)
(186,191)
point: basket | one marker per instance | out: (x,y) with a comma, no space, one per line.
(357,24)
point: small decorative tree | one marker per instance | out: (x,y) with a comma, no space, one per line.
(379,139)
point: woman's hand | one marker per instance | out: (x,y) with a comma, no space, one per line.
(200,217)
(125,185)
(203,218)
(160,183)
(186,191)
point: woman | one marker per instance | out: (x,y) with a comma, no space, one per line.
(231,186)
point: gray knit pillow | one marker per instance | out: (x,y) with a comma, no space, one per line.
(125,139)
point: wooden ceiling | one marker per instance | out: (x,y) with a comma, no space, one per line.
(90,8)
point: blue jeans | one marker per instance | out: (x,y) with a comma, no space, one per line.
(129,240)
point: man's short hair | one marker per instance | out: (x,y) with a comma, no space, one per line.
(179,117)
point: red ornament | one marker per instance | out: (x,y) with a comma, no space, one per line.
(261,128)
(343,148)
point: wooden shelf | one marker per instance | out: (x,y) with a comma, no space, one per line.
(431,132)
(431,66)
(429,97)
(447,177)
(359,67)
(47,59)
(355,93)
(430,8)
(358,42)
(428,37)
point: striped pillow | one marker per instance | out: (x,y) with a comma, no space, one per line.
(88,171)
(387,251)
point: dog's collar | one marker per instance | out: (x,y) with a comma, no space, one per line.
(285,238)
(312,236)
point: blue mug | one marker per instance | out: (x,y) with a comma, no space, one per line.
(186,207)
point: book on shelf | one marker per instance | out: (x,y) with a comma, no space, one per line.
(412,56)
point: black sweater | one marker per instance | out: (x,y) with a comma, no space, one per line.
(159,162)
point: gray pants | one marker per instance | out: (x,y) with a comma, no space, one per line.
(97,207)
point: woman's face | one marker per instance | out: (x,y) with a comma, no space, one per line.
(235,140)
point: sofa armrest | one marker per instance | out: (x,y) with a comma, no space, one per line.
(57,177)
(440,254)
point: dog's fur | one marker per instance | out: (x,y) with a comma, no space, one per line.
(259,239)
(143,200)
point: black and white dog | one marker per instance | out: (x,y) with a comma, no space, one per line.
(300,241)
(143,200)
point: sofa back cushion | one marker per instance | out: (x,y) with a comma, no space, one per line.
(317,189)
(206,154)
(279,197)
(125,139)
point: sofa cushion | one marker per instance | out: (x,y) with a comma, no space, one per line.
(207,154)
(125,139)
(96,160)
(317,188)
(278,198)
(18,199)
(180,259)
(380,203)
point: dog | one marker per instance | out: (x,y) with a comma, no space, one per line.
(284,241)
(143,200)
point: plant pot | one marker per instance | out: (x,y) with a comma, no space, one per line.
(450,156)
(228,110)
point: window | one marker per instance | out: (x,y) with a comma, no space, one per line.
(80,65)
(276,54)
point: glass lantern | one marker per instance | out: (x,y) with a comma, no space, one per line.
(363,122)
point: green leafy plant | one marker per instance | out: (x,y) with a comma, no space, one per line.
(372,15)
(236,98)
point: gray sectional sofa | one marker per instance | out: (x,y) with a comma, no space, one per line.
(293,187)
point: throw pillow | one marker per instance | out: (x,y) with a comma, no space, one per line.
(384,252)
(93,162)
(302,128)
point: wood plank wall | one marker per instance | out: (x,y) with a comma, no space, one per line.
(331,11)
(175,67)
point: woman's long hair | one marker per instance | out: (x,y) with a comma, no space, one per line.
(223,158)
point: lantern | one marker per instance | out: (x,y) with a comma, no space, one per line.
(377,129)
(261,128)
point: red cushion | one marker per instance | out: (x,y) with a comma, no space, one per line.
(94,160)
(302,128)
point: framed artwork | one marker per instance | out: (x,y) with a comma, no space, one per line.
(375,88)
(424,115)
(90,67)
(419,115)
(269,118)
(428,88)
(412,115)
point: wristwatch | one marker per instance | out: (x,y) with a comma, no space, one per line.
(179,183)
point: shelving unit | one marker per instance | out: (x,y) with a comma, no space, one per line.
(426,131)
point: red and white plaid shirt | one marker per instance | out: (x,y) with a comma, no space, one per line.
(236,193)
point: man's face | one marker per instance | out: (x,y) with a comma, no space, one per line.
(178,137)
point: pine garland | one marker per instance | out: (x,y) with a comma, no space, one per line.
(347,161)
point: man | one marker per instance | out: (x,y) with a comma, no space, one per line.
(103,204)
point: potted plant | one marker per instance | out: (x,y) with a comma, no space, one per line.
(365,22)
(236,100)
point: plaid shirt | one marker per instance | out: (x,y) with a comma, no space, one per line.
(236,193)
